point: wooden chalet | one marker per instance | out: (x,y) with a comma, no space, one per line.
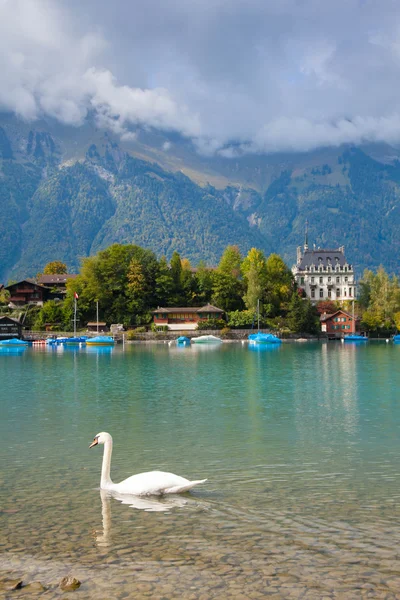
(28,292)
(338,324)
(180,318)
(9,328)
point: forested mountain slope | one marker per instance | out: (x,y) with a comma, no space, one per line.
(67,192)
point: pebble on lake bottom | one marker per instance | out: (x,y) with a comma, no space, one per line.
(69,583)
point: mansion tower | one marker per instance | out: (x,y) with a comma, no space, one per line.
(324,274)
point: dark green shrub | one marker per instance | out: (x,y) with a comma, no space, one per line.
(211,324)
(157,328)
(242,318)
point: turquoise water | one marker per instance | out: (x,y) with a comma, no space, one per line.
(300,445)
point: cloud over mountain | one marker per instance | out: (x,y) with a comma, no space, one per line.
(244,75)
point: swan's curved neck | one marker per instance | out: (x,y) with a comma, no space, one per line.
(105,481)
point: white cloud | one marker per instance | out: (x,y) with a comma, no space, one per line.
(47,69)
(248,75)
(117,106)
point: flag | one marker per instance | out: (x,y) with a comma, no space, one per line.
(76,295)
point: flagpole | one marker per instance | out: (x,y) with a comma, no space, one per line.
(74,315)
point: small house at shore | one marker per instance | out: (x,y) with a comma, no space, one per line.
(180,318)
(9,328)
(338,324)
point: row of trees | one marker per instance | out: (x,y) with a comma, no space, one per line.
(128,282)
(379,301)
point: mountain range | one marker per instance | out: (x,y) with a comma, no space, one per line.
(67,192)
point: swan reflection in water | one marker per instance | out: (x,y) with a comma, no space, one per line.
(149,504)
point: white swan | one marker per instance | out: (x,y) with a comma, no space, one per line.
(153,483)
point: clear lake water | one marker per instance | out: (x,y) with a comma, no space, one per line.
(300,444)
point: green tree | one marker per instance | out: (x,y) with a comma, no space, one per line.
(279,283)
(203,282)
(104,278)
(371,321)
(364,289)
(226,291)
(302,316)
(137,287)
(51,313)
(164,283)
(231,261)
(255,273)
(187,283)
(380,299)
(4,296)
(176,272)
(176,268)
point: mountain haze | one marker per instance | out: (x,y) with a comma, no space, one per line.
(67,192)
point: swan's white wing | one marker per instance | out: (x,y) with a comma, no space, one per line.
(154,483)
(184,488)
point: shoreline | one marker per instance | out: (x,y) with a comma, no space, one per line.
(234,336)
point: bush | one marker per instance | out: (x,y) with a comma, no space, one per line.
(157,328)
(242,318)
(225,331)
(132,333)
(211,324)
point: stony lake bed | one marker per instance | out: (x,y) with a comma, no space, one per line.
(300,445)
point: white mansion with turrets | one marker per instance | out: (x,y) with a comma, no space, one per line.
(324,274)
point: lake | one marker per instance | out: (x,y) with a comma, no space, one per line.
(300,444)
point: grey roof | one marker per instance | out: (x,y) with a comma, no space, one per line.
(322,258)
(325,316)
(175,309)
(56,278)
(209,308)
(191,309)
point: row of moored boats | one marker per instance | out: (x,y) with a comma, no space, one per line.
(106,340)
(254,338)
(100,340)
(261,338)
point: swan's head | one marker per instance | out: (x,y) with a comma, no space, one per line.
(100,438)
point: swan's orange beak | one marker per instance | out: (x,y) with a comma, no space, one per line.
(94,443)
